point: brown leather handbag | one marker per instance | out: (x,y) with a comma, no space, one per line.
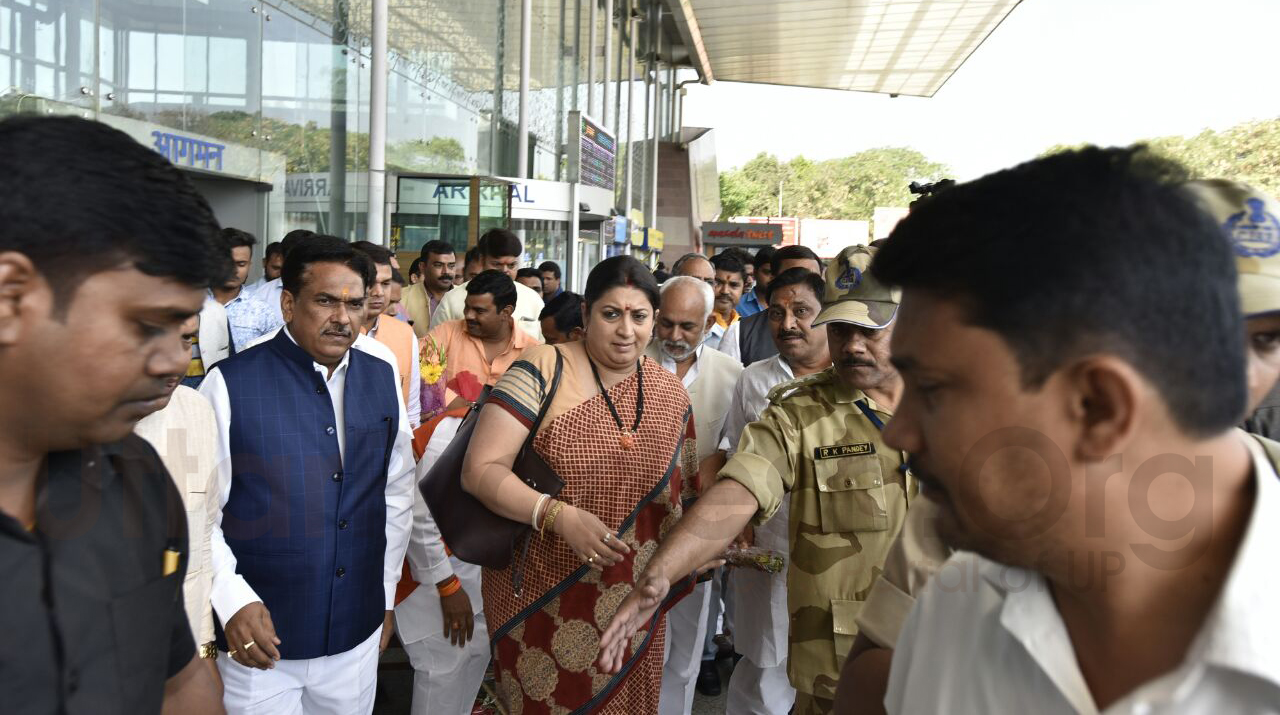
(475,534)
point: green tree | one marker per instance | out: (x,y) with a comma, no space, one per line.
(845,188)
(1248,152)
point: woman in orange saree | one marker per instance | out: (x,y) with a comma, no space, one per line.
(619,434)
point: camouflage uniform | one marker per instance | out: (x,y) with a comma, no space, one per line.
(849,496)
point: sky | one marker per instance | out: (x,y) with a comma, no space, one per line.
(1106,72)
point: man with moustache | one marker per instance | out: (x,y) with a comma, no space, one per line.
(397,336)
(436,265)
(751,339)
(729,282)
(487,340)
(684,315)
(759,684)
(314,492)
(819,441)
(1081,596)
(497,250)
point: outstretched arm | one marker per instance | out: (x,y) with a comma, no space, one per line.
(701,536)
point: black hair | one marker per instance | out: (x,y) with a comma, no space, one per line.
(550,267)
(796,276)
(499,243)
(620,271)
(323,249)
(661,276)
(380,255)
(1093,250)
(235,238)
(415,266)
(566,311)
(498,284)
(398,278)
(274,249)
(436,246)
(729,262)
(764,257)
(294,238)
(792,253)
(530,273)
(472,256)
(739,253)
(78,197)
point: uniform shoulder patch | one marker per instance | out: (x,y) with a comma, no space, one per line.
(781,391)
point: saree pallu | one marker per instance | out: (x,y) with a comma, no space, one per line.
(547,639)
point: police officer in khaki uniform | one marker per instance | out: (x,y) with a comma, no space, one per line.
(819,440)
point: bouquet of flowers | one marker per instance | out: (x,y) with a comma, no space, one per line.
(433,363)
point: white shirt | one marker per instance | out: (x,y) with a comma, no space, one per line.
(716,335)
(996,643)
(751,396)
(230,591)
(670,365)
(729,341)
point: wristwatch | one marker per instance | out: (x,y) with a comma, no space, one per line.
(209,650)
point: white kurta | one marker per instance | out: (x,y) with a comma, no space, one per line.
(185,434)
(759,684)
(446,678)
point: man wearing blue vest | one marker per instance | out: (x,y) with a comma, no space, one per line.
(315,488)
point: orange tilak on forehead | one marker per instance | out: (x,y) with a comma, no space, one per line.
(345,293)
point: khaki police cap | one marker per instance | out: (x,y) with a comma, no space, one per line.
(853,296)
(1250,219)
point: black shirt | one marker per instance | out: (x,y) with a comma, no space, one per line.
(89,622)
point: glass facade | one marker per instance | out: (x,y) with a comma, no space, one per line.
(276,94)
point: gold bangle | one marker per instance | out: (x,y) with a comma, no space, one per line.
(209,651)
(550,521)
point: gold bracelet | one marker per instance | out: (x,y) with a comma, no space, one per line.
(209,650)
(550,521)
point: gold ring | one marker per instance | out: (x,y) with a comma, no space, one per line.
(232,652)
(607,536)
(248,645)
(591,559)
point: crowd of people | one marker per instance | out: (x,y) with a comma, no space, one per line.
(209,491)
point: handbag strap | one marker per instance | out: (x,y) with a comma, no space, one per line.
(517,567)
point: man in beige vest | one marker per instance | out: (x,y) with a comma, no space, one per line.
(184,433)
(684,317)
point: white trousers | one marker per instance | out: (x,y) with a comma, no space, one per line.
(754,690)
(342,684)
(686,629)
(447,678)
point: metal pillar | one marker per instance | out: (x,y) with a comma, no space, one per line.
(608,62)
(526,47)
(591,59)
(378,126)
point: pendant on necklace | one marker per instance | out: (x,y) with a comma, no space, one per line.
(627,440)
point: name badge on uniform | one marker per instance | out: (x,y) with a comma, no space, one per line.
(844,450)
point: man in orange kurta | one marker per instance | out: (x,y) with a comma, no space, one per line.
(486,341)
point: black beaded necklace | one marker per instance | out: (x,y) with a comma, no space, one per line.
(628,437)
